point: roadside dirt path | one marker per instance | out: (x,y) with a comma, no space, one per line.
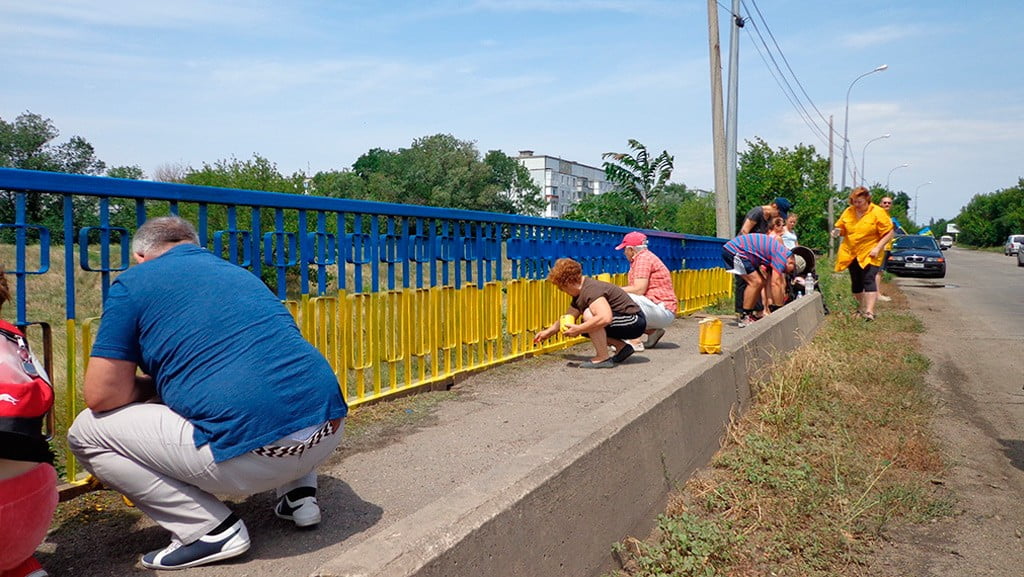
(974,337)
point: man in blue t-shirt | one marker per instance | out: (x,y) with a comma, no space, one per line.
(746,256)
(200,384)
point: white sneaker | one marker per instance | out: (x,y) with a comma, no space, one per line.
(884,298)
(230,542)
(303,510)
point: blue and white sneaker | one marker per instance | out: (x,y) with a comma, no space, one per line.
(299,506)
(225,544)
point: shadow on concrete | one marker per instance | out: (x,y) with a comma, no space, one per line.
(1014,451)
(100,541)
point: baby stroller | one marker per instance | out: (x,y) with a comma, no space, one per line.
(795,282)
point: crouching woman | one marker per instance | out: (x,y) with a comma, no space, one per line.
(610,316)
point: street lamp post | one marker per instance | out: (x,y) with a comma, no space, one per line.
(916,200)
(846,126)
(863,167)
(846,121)
(904,165)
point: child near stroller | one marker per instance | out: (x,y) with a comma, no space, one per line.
(796,284)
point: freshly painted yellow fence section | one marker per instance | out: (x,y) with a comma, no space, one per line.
(386,343)
(392,342)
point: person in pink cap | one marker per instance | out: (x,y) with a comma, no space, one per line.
(650,286)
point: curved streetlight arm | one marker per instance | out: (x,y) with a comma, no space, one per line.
(904,165)
(863,166)
(846,120)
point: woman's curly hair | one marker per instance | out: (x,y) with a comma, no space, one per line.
(860,192)
(566,272)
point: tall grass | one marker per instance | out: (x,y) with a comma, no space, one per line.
(835,449)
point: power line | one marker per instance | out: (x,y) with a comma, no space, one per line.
(782,74)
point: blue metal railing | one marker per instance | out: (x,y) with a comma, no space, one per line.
(394,296)
(375,246)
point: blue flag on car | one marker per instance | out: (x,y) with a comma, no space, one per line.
(926,230)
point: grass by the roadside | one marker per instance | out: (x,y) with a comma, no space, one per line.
(835,449)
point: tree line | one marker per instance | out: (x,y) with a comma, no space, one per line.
(443,171)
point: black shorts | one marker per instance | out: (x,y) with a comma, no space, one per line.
(862,280)
(625,327)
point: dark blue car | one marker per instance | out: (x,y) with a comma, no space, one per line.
(916,255)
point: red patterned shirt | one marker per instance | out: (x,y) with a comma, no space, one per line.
(647,265)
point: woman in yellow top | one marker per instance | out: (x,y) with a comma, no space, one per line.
(865,228)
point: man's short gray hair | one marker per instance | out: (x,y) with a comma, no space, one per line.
(158,232)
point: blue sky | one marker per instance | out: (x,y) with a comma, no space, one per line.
(312,85)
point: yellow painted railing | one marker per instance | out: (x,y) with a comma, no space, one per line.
(392,342)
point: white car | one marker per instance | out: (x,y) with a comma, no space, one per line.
(945,241)
(1013,243)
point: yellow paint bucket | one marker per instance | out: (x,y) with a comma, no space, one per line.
(564,321)
(710,336)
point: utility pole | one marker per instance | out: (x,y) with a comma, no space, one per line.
(723,228)
(732,117)
(831,191)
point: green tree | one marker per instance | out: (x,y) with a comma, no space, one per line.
(376,161)
(28,143)
(512,180)
(639,177)
(122,210)
(256,174)
(800,175)
(339,184)
(676,208)
(614,207)
(691,211)
(132,172)
(441,170)
(989,218)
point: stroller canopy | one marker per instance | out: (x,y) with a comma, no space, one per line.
(808,256)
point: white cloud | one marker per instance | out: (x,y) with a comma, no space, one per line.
(881,35)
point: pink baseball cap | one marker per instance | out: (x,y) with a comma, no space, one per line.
(632,239)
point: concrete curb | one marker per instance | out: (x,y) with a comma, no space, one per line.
(555,508)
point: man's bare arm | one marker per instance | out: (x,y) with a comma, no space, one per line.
(111,384)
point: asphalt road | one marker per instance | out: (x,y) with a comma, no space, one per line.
(974,337)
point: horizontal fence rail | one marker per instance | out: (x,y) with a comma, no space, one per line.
(395,296)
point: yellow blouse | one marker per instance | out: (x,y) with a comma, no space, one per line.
(861,235)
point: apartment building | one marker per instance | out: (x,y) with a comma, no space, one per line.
(563,182)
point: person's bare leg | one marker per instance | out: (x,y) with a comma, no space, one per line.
(878,283)
(599,338)
(778,288)
(754,284)
(868,301)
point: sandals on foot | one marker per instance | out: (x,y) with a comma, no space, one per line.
(868,316)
